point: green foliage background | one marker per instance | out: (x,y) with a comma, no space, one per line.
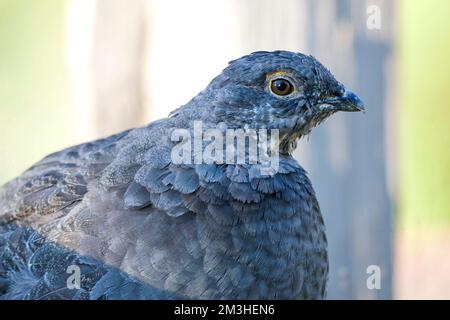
(424,53)
(34,109)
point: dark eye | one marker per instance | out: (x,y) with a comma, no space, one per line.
(281,87)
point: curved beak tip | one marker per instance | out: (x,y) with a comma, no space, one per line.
(351,101)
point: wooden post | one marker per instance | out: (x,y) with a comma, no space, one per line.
(347,156)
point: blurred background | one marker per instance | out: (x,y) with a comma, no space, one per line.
(76,70)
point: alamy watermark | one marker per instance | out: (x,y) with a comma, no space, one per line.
(373,21)
(74,279)
(221,145)
(373,281)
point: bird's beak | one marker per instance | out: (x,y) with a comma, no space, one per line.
(347,101)
(351,102)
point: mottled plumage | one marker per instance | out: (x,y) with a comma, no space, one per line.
(141,227)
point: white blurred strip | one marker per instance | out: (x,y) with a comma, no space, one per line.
(105,53)
(80,23)
(189,43)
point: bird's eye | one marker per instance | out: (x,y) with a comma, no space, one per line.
(281,87)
